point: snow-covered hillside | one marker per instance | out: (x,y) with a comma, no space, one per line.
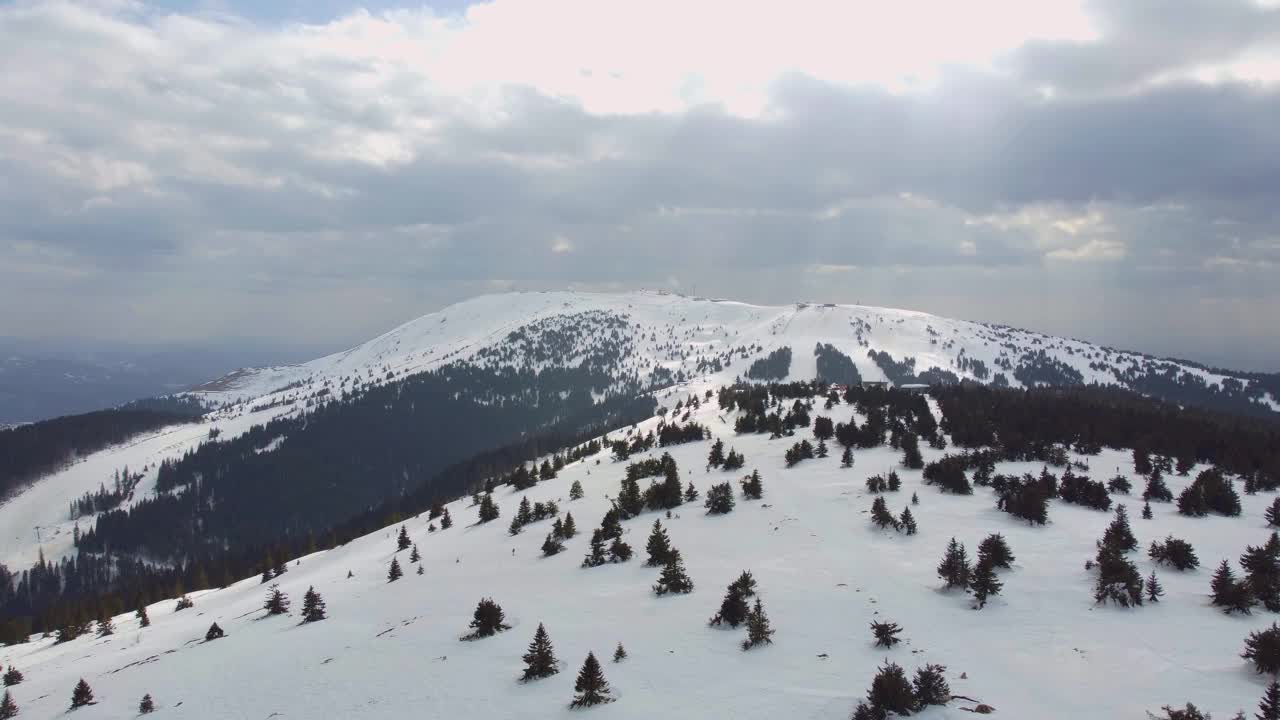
(646,338)
(1041,649)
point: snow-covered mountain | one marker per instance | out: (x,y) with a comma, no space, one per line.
(1041,649)
(660,337)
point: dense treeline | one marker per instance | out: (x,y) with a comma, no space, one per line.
(29,451)
(1024,424)
(835,367)
(775,366)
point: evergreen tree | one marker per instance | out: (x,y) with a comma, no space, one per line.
(1118,579)
(1175,552)
(267,575)
(734,608)
(540,660)
(673,578)
(846,458)
(1262,572)
(213,633)
(552,545)
(886,633)
(487,620)
(630,501)
(1156,489)
(147,705)
(1273,513)
(12,677)
(753,487)
(106,627)
(313,606)
(759,631)
(420,570)
(954,568)
(596,557)
(822,449)
(446,521)
(1263,648)
(619,654)
(1146,510)
(570,527)
(143,619)
(880,514)
(619,551)
(402,540)
(1228,594)
(82,695)
(659,545)
(716,457)
(394,573)
(277,602)
(690,493)
(515,526)
(281,568)
(1154,589)
(719,499)
(1270,703)
(414,555)
(994,548)
(525,511)
(8,707)
(488,509)
(907,521)
(1118,535)
(891,692)
(591,686)
(930,686)
(915,499)
(984,583)
(894,482)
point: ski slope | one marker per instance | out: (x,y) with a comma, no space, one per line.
(391,650)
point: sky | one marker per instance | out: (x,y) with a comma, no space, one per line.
(316,172)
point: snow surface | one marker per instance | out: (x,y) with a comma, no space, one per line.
(1039,650)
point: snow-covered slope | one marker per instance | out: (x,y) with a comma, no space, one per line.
(391,650)
(652,338)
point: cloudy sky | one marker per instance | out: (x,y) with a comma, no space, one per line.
(316,171)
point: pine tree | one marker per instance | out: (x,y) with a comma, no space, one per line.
(659,545)
(402,540)
(716,457)
(759,631)
(984,583)
(420,570)
(619,551)
(673,578)
(570,527)
(1146,510)
(591,686)
(690,493)
(1273,513)
(213,633)
(8,707)
(82,695)
(1270,703)
(719,499)
(915,499)
(846,458)
(487,620)
(143,619)
(313,606)
(596,557)
(1262,572)
(394,573)
(954,568)
(540,661)
(619,654)
(524,512)
(488,509)
(886,633)
(552,545)
(995,548)
(1263,648)
(147,705)
(277,602)
(734,608)
(266,575)
(514,528)
(414,555)
(106,627)
(907,521)
(753,487)
(891,692)
(575,490)
(880,514)
(1154,589)
(446,521)
(1228,594)
(930,686)
(12,676)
